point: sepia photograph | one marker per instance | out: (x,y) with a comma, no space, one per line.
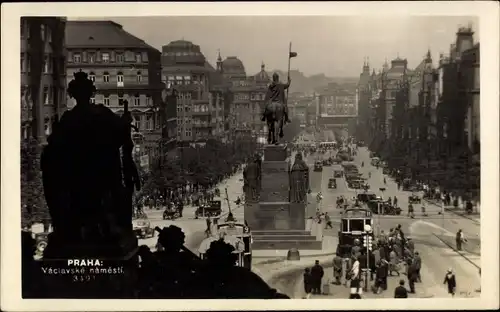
(230,155)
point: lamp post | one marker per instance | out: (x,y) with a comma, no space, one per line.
(382,189)
(367,242)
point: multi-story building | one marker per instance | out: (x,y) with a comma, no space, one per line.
(298,109)
(43,75)
(43,100)
(470,65)
(248,94)
(346,103)
(123,67)
(200,94)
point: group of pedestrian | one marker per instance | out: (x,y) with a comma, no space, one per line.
(312,279)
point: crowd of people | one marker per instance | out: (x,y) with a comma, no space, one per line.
(172,271)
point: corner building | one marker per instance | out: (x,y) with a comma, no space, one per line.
(43,75)
(200,92)
(123,67)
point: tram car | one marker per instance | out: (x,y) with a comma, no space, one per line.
(352,226)
(236,234)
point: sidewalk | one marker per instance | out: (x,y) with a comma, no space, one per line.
(474,216)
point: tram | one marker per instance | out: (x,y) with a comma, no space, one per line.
(352,226)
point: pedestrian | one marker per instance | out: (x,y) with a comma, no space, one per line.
(317,273)
(451,282)
(394,262)
(348,269)
(395,201)
(410,211)
(328,221)
(460,239)
(356,290)
(307,282)
(356,249)
(418,265)
(410,244)
(209,225)
(412,275)
(401,291)
(337,269)
(423,210)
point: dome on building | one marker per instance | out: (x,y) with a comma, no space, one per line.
(262,76)
(233,65)
(180,44)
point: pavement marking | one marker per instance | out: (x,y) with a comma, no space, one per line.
(445,231)
(457,251)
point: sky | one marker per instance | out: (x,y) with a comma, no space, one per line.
(333,45)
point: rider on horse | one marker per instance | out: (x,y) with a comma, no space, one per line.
(276,93)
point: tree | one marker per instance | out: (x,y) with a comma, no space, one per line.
(32,195)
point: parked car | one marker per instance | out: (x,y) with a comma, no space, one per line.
(142,228)
(318,166)
(332,183)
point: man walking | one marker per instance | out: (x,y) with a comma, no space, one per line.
(337,269)
(460,239)
(328,221)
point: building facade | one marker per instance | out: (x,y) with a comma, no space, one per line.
(43,75)
(123,68)
(200,93)
(248,95)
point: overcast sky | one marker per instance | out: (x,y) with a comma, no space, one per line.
(333,45)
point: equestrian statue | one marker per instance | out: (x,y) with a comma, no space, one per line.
(276,110)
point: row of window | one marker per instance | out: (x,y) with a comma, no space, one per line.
(118,101)
(195,121)
(186,53)
(105,57)
(45,32)
(26,63)
(119,77)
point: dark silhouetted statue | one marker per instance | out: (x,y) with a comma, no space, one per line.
(299,180)
(87,183)
(252,180)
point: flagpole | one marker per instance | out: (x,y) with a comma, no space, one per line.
(289,59)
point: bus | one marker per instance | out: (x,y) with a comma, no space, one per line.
(352,226)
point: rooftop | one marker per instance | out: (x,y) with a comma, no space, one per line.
(106,34)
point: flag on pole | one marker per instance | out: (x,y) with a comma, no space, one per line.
(292,54)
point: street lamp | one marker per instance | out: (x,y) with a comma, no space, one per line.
(382,189)
(367,242)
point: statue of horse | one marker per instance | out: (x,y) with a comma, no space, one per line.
(274,116)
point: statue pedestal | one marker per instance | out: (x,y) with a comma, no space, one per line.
(277,223)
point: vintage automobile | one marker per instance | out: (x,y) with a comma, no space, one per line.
(236,234)
(142,228)
(211,209)
(355,184)
(171,213)
(41,242)
(414,199)
(407,185)
(366,197)
(375,161)
(318,166)
(327,162)
(378,205)
(352,226)
(332,183)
